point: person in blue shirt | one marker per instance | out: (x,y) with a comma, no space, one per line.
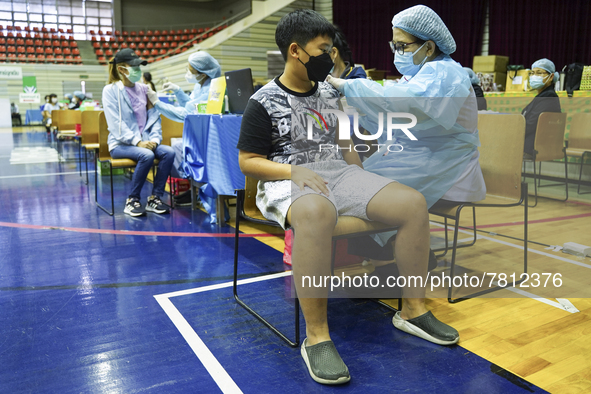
(344,67)
(135,132)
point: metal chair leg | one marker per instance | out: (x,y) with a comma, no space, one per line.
(291,343)
(96,190)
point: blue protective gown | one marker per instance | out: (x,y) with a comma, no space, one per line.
(187,103)
(445,152)
(441,97)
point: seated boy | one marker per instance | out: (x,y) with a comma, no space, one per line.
(324,184)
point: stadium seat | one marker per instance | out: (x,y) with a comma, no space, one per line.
(164,32)
(40,58)
(59,58)
(9,27)
(120,39)
(165,45)
(52,30)
(162,52)
(71,38)
(162,39)
(39,50)
(109,53)
(115,46)
(70,31)
(157,33)
(2,41)
(29,42)
(21,58)
(146,52)
(66,51)
(105,45)
(109,33)
(57,51)
(102,39)
(193,31)
(173,44)
(151,60)
(31,58)
(55,37)
(117,33)
(179,32)
(158,45)
(65,44)
(102,60)
(10,41)
(75,52)
(124,45)
(149,45)
(141,33)
(20,49)
(55,43)
(69,59)
(138,39)
(147,39)
(141,45)
(48,51)
(132,45)
(184,37)
(169,38)
(11,49)
(154,52)
(96,45)
(149,33)
(30,50)
(100,33)
(36,30)
(99,52)
(124,33)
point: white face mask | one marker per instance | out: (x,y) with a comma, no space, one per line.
(190,77)
(54,100)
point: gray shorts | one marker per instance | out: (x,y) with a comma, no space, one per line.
(351,188)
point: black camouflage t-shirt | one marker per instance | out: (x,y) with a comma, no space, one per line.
(275,124)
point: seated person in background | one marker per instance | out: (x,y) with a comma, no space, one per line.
(14,113)
(147,80)
(477,89)
(134,130)
(202,68)
(344,67)
(542,78)
(311,195)
(51,105)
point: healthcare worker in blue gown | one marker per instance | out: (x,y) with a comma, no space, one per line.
(443,162)
(202,68)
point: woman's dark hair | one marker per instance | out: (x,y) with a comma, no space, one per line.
(301,26)
(342,45)
(148,79)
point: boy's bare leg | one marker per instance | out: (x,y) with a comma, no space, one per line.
(405,207)
(313,218)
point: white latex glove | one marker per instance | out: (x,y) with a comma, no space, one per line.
(170,86)
(152,96)
(336,82)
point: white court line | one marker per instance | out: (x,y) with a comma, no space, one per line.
(34,175)
(213,366)
(521,247)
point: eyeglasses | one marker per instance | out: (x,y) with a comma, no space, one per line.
(538,73)
(396,47)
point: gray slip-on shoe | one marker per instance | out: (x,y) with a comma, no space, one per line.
(427,327)
(324,363)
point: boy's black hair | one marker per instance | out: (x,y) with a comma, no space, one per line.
(340,43)
(52,95)
(301,26)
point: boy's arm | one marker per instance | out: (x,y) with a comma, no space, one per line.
(347,147)
(259,167)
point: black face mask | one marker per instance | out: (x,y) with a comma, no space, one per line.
(318,66)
